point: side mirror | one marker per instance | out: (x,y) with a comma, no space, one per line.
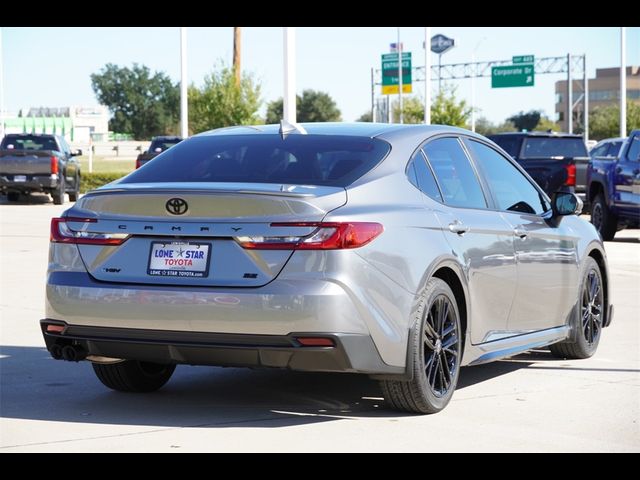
(158,150)
(566,203)
(77,153)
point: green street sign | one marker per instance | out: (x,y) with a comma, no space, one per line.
(523,59)
(390,73)
(512,76)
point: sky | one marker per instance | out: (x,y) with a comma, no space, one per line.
(51,66)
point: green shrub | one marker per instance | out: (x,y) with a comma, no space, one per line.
(91,181)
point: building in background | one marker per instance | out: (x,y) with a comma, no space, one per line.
(77,124)
(604,90)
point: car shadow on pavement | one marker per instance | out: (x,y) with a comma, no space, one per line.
(33,386)
(34,199)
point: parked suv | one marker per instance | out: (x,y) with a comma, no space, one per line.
(556,161)
(614,186)
(158,145)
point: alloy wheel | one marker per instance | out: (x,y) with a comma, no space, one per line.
(440,338)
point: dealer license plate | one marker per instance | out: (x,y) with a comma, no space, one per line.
(179,259)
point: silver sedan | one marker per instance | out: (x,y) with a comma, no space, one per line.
(398,251)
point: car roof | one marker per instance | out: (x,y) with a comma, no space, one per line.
(357,129)
(536,134)
(615,139)
(167,137)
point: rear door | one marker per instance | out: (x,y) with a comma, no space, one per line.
(481,239)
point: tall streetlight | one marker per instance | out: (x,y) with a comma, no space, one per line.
(289,97)
(473,84)
(184,112)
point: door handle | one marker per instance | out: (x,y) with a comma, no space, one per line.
(520,232)
(458,227)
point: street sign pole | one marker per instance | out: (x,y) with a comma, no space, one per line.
(586,98)
(623,84)
(400,76)
(184,105)
(427,76)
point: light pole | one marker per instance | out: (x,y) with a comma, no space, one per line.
(473,84)
(184,112)
(289,98)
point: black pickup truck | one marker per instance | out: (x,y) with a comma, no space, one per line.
(158,145)
(556,161)
(38,163)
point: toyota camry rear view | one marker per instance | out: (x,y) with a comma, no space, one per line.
(398,251)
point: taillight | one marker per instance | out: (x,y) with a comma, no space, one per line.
(326,236)
(54,164)
(571,175)
(138,163)
(61,233)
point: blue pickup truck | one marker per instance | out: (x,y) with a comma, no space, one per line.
(614,189)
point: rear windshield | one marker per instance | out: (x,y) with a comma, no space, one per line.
(298,159)
(29,142)
(162,144)
(510,144)
(536,147)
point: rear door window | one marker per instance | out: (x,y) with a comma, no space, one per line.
(456,177)
(614,149)
(332,160)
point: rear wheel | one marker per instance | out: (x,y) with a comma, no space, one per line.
(13,196)
(589,324)
(133,375)
(437,348)
(73,196)
(603,219)
(58,193)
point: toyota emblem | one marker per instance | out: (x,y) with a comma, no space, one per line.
(176,206)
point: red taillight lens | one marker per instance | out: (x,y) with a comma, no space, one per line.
(54,164)
(61,233)
(138,163)
(326,236)
(571,175)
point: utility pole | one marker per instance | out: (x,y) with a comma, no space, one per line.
(623,84)
(184,112)
(237,46)
(289,97)
(427,75)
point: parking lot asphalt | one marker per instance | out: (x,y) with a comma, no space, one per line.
(532,402)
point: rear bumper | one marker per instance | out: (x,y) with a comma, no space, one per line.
(33,183)
(350,353)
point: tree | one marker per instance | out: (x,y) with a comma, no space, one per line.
(445,110)
(365,117)
(604,122)
(141,103)
(312,106)
(221,103)
(486,127)
(526,121)
(545,124)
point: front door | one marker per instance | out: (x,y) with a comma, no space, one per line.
(627,179)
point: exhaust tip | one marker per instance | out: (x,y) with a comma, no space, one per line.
(56,351)
(73,353)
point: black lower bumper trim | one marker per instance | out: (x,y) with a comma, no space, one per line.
(351,353)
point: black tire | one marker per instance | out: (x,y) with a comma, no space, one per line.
(58,193)
(590,314)
(603,219)
(436,324)
(13,196)
(73,196)
(133,375)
